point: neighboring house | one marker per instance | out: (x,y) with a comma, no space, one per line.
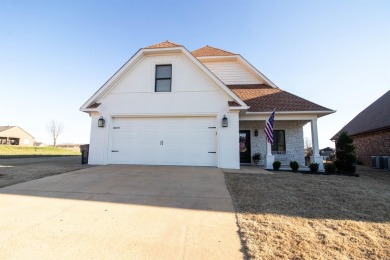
(327,152)
(14,135)
(169,106)
(370,130)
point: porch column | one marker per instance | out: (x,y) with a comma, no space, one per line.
(269,158)
(315,158)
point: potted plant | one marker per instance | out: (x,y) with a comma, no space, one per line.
(256,158)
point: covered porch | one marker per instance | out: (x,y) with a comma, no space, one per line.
(288,139)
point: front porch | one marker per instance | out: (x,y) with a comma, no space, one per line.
(288,141)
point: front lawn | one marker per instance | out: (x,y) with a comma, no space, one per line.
(14,150)
(299,216)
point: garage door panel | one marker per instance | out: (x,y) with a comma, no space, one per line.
(164,141)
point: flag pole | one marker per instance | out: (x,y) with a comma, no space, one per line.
(269,125)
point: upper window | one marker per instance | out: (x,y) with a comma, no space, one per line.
(279,144)
(163,78)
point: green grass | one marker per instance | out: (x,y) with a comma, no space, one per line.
(13,150)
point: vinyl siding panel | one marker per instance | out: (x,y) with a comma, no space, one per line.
(232,72)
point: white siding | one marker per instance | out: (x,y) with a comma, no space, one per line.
(231,72)
(193,93)
(98,142)
(229,153)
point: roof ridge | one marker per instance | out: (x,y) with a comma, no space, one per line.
(221,50)
(211,51)
(165,44)
(368,119)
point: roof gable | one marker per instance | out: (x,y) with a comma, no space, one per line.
(211,51)
(166,44)
(154,50)
(374,117)
(6,128)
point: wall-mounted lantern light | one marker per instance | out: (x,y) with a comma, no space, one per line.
(256,132)
(101,122)
(224,121)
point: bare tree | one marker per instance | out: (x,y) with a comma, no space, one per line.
(307,143)
(55,129)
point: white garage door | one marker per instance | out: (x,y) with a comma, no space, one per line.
(164,141)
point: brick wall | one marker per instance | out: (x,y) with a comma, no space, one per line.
(377,143)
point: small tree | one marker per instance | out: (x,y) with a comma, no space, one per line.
(345,154)
(55,129)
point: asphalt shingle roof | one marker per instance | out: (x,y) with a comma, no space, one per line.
(375,117)
(211,51)
(260,97)
(263,98)
(3,128)
(166,44)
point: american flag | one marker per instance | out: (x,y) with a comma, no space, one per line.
(269,127)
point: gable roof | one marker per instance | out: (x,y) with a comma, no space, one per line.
(260,98)
(211,51)
(374,117)
(263,98)
(5,128)
(208,53)
(166,44)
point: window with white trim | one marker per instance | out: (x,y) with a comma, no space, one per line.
(163,81)
(279,144)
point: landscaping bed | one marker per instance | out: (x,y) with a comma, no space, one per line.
(310,216)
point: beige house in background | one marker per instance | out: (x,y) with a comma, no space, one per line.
(14,135)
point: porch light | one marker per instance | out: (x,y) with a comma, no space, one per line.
(256,132)
(224,121)
(101,122)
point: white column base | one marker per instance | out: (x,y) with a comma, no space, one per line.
(269,160)
(319,160)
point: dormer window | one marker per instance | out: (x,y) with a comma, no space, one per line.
(163,78)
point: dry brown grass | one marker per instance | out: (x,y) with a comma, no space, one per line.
(296,216)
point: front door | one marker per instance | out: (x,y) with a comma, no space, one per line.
(245,146)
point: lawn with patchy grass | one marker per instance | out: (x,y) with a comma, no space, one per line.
(10,150)
(302,216)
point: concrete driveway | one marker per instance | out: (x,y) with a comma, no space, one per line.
(120,212)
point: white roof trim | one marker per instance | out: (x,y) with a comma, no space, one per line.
(138,55)
(318,113)
(238,108)
(292,112)
(256,71)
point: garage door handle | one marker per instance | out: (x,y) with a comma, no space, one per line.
(114,151)
(212,152)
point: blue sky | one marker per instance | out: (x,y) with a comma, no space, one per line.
(55,54)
